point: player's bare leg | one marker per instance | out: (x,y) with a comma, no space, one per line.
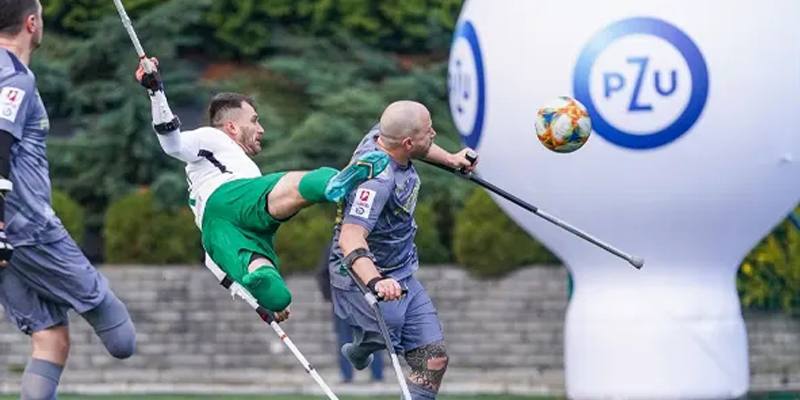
(285,199)
(43,372)
(297,190)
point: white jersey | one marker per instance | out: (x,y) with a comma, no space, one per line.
(212,158)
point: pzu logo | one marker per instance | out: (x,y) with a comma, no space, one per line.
(643,81)
(615,82)
(465,83)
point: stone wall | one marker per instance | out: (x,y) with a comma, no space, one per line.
(504,336)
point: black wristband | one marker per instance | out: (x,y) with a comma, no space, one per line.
(374,281)
(355,255)
(167,127)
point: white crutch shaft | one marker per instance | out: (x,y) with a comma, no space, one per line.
(126,22)
(237,290)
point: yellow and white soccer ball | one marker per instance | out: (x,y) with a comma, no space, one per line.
(563,125)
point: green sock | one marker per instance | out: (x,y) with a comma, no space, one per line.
(313,183)
(269,289)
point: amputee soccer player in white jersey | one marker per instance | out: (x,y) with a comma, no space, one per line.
(236,208)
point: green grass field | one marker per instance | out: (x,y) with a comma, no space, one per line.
(286,397)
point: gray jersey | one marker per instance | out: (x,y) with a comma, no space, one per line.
(29,215)
(384,206)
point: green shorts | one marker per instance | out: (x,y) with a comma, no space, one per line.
(236,224)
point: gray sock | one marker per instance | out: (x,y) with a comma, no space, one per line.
(420,393)
(40,380)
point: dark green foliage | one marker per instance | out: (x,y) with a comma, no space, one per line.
(170,191)
(321,67)
(489,243)
(242,27)
(136,231)
(70,213)
(769,277)
(302,242)
(322,139)
(51,64)
(446,193)
(428,240)
(251,28)
(79,17)
(115,149)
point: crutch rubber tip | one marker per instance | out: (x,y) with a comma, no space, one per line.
(637,262)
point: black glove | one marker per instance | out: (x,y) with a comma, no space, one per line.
(152,82)
(5,247)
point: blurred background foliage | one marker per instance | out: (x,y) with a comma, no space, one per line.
(321,71)
(769,277)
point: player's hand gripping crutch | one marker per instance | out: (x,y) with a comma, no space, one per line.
(373,299)
(637,262)
(237,290)
(149,67)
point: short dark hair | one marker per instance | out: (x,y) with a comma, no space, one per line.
(223,102)
(13,13)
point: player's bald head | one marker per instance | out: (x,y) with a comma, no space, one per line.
(403,119)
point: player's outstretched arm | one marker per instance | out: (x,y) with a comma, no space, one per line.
(453,160)
(166,124)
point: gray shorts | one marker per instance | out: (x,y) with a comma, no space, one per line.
(412,321)
(44,281)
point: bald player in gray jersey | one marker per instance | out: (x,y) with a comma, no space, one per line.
(375,234)
(47,274)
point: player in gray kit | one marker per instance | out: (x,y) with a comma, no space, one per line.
(47,274)
(376,230)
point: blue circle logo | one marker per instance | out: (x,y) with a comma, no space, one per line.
(466,84)
(643,81)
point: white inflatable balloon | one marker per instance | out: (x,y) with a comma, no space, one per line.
(693,159)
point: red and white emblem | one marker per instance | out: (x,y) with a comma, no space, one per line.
(362,205)
(10,101)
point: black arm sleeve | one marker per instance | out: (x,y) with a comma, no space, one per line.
(6,140)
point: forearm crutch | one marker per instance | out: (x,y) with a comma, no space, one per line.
(372,300)
(635,261)
(237,290)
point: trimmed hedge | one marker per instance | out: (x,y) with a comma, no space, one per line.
(488,243)
(136,231)
(769,277)
(428,240)
(70,213)
(302,242)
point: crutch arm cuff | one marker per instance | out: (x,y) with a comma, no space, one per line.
(354,255)
(168,127)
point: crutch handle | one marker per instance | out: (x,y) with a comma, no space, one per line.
(265,315)
(472,157)
(403,293)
